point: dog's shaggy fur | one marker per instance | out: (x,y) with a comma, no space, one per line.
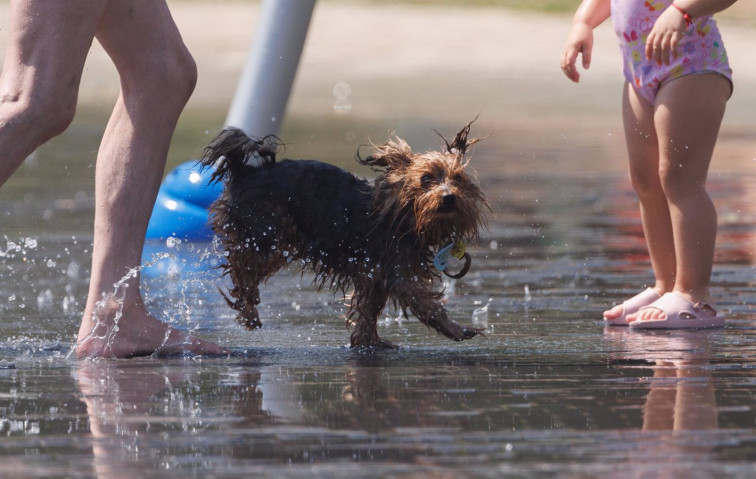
(377,239)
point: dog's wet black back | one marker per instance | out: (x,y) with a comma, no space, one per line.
(323,209)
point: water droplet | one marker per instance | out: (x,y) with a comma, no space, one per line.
(342,90)
(172,242)
(45,300)
(73,270)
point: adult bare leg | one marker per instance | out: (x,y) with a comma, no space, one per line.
(689,112)
(41,74)
(157,77)
(643,154)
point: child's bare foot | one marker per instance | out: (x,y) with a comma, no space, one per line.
(618,315)
(128,334)
(651,313)
(676,310)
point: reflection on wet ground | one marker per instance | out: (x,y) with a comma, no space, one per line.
(549,392)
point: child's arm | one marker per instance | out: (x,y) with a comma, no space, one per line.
(702,8)
(669,28)
(589,15)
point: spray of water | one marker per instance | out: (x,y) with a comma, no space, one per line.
(112,304)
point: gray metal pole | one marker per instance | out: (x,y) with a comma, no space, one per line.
(260,101)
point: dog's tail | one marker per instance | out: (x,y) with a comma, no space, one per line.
(231,151)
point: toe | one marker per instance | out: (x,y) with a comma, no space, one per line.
(648,314)
(202,347)
(614,313)
(181,343)
(656,315)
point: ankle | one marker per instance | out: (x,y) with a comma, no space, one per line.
(695,295)
(662,288)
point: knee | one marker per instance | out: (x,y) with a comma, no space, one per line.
(646,183)
(678,183)
(170,79)
(58,118)
(43,115)
(181,76)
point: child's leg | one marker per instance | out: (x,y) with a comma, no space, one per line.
(643,155)
(688,114)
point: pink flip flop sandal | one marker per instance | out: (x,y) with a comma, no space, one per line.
(632,305)
(681,313)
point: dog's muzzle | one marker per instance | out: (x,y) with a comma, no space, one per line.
(448,202)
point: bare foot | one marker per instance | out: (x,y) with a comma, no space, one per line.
(651,313)
(619,314)
(121,333)
(615,312)
(647,314)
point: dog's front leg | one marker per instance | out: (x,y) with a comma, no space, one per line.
(367,305)
(431,313)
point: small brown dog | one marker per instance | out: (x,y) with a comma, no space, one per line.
(378,239)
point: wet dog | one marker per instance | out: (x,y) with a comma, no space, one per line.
(376,240)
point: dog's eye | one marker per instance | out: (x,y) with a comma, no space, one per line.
(458,178)
(426,180)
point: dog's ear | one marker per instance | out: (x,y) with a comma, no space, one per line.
(460,144)
(395,154)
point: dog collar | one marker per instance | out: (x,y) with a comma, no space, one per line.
(456,249)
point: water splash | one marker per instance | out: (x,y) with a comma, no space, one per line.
(12,247)
(112,304)
(480,313)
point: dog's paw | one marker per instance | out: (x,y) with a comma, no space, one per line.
(385,344)
(462,333)
(470,333)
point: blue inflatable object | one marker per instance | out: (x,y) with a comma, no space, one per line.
(181,209)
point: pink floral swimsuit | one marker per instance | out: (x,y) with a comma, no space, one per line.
(700,51)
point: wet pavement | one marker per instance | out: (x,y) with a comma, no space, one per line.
(549,392)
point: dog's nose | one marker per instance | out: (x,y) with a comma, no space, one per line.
(449,200)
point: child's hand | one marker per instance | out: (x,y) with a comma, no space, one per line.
(661,44)
(579,42)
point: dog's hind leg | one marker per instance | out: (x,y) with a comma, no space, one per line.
(430,312)
(247,271)
(367,305)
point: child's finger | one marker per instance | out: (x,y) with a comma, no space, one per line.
(569,58)
(665,51)
(571,73)
(658,52)
(650,46)
(649,51)
(670,47)
(675,43)
(586,58)
(568,64)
